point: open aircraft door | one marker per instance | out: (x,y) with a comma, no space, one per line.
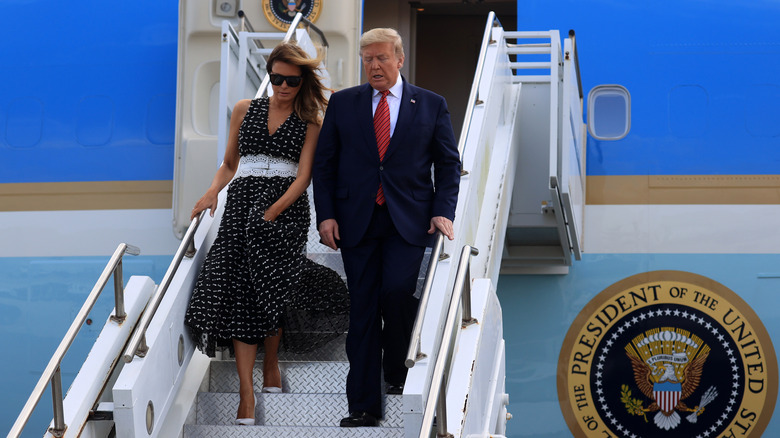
(567,185)
(545,224)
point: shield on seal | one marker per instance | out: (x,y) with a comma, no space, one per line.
(667,395)
(291,5)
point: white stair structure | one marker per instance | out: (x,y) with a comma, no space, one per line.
(519,209)
(546,217)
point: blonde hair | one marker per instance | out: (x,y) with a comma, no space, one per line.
(383,35)
(310,102)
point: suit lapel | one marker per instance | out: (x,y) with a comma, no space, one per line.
(406,114)
(365,117)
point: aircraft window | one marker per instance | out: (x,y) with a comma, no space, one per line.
(609,112)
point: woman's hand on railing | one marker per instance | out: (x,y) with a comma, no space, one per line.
(207,201)
(137,344)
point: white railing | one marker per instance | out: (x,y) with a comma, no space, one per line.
(414,354)
(437,393)
(476,358)
(52,372)
(137,345)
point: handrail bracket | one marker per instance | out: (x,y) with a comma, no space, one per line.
(142,347)
(467,322)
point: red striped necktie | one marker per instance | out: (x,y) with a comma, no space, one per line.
(382,130)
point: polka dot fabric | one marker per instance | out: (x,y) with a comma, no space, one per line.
(256,277)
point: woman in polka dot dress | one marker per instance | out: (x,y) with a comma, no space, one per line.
(256,278)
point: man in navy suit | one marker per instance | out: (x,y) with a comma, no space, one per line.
(378,201)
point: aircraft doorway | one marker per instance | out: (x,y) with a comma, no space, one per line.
(442,40)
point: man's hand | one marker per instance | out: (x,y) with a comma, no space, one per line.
(329,233)
(442,224)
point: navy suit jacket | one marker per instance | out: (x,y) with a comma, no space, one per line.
(347,170)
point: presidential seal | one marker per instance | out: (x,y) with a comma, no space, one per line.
(667,354)
(280,13)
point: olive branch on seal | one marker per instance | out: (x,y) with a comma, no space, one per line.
(633,406)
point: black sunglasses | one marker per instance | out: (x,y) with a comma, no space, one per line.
(277,79)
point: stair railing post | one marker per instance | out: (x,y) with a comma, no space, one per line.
(119,295)
(120,314)
(437,392)
(59,412)
(191,250)
(465,299)
(441,411)
(142,347)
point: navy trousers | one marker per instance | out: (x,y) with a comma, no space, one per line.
(382,272)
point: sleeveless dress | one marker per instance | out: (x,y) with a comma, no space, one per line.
(256,277)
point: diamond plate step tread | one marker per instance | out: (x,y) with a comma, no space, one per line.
(206,431)
(330,352)
(290,409)
(297,377)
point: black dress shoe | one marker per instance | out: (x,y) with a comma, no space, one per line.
(394,389)
(359,419)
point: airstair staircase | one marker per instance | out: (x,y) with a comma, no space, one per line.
(311,405)
(145,378)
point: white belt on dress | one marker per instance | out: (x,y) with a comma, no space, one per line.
(263,165)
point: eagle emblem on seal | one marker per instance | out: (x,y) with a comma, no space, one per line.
(668,364)
(291,7)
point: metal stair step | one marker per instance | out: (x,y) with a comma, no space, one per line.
(297,377)
(206,431)
(216,408)
(331,351)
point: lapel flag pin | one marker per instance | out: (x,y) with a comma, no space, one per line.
(413,101)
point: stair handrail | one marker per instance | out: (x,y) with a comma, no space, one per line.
(576,59)
(245,24)
(414,353)
(317,30)
(52,372)
(437,392)
(473,101)
(137,344)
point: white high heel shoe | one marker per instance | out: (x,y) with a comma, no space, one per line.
(247,421)
(272,389)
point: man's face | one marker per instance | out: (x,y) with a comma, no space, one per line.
(381,65)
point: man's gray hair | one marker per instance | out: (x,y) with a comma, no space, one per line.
(383,35)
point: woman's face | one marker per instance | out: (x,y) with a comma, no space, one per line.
(284,92)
